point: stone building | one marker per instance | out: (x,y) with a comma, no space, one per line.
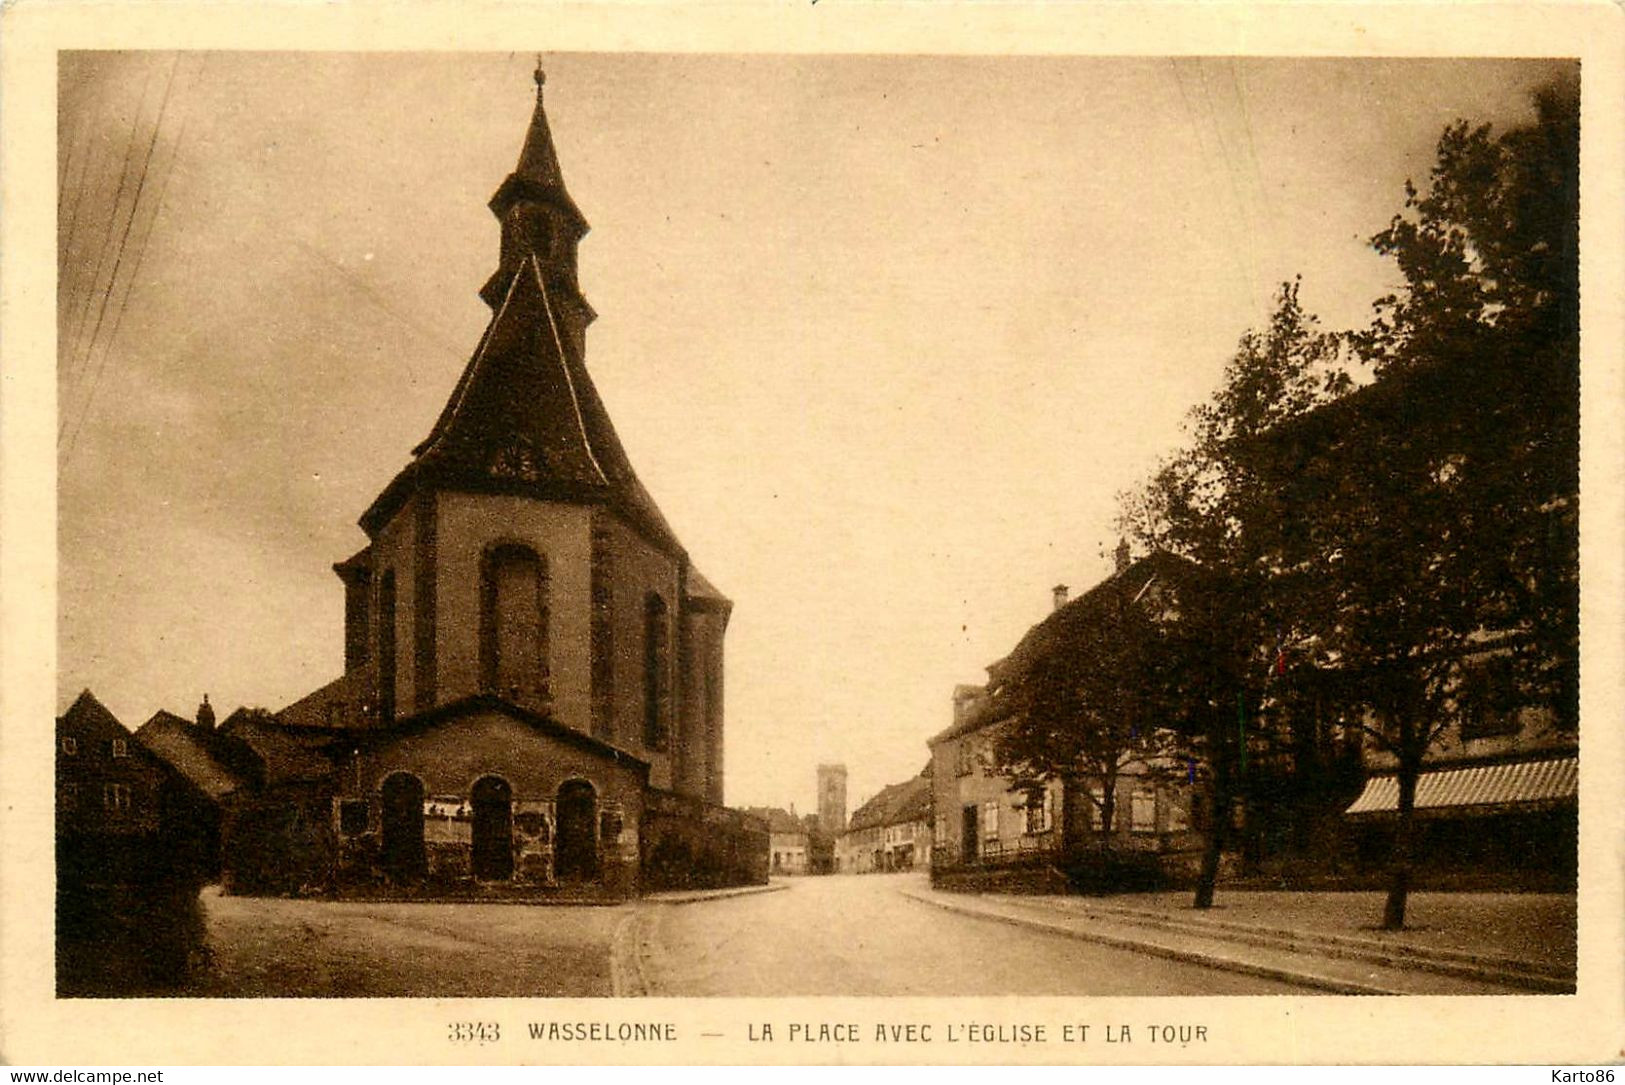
(832,799)
(532,686)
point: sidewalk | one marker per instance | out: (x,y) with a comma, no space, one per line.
(1456,943)
(691,896)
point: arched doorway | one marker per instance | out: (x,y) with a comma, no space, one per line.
(403,856)
(493,829)
(576,846)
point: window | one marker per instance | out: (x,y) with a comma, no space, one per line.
(967,755)
(1178,814)
(386,647)
(1143,812)
(513,624)
(353,817)
(990,820)
(70,745)
(121,747)
(656,673)
(1489,699)
(1039,812)
(116,797)
(941,836)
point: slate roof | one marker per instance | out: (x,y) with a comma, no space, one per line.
(525,417)
(281,757)
(896,804)
(488,702)
(701,590)
(778,819)
(310,712)
(183,747)
(89,713)
(1061,626)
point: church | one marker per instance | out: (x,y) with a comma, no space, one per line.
(533,669)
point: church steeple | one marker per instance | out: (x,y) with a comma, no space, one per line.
(524,418)
(539,219)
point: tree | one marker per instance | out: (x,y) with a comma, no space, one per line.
(1440,503)
(1213,503)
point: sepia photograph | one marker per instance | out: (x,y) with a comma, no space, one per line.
(644,525)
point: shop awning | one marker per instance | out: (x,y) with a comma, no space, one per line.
(1511,784)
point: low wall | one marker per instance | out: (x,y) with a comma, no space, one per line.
(691,844)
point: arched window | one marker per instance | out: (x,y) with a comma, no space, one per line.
(513,624)
(386,648)
(403,855)
(656,673)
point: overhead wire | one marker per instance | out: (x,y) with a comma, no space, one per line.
(79,357)
(141,247)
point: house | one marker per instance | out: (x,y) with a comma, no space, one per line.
(132,851)
(789,838)
(1488,444)
(984,815)
(531,696)
(190,749)
(892,831)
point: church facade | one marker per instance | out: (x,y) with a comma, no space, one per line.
(532,686)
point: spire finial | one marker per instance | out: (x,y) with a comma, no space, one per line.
(540,76)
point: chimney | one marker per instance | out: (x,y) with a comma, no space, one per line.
(1121,556)
(1060,593)
(205,715)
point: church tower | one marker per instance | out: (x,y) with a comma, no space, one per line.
(517,555)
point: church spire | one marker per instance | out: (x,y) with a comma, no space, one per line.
(524,417)
(538,216)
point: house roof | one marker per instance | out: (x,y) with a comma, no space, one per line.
(1060,627)
(90,714)
(778,819)
(180,744)
(896,804)
(311,712)
(282,758)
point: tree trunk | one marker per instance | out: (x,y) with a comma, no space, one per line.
(1399,884)
(1071,803)
(1108,808)
(1218,820)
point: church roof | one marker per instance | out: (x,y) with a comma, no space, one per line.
(478,703)
(537,175)
(526,419)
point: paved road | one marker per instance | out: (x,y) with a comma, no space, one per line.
(270,947)
(858,935)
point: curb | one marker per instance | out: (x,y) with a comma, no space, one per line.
(696,895)
(1462,964)
(1227,964)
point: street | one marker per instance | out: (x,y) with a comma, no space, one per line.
(851,935)
(858,935)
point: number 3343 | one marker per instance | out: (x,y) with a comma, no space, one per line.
(473,1032)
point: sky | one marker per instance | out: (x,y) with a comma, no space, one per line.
(884,336)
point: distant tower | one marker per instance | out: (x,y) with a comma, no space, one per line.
(832,798)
